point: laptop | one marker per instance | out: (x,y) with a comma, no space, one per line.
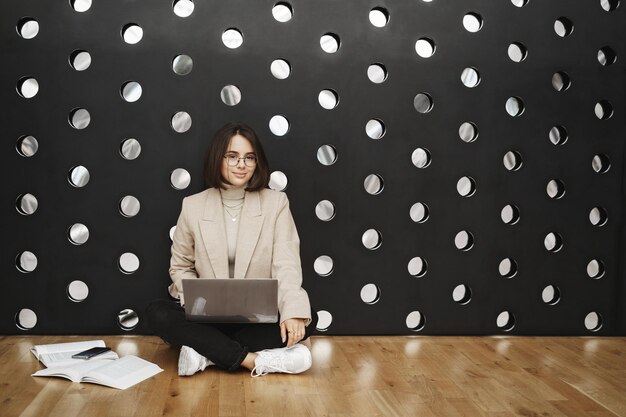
(214,300)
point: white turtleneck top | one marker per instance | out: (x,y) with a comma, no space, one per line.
(232,202)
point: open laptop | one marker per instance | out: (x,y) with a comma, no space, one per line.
(249,300)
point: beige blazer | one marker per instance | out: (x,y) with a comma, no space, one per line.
(268,246)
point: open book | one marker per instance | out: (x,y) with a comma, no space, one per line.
(120,373)
(60,354)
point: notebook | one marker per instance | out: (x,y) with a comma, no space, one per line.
(249,300)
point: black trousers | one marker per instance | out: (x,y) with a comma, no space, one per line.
(226,345)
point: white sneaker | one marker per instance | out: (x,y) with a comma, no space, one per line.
(190,362)
(291,360)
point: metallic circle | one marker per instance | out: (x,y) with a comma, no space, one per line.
(79,176)
(25,319)
(131,91)
(330,43)
(323,265)
(172,231)
(370,294)
(327,155)
(377,73)
(598,216)
(563,26)
(180,179)
(374,184)
(505,321)
(417,267)
(379,17)
(182,64)
(472,22)
(551,295)
(466,186)
(80,60)
(127,319)
(375,129)
(553,242)
(606,56)
(519,3)
(462,294)
(470,77)
(129,206)
(512,160)
(27,87)
(421,158)
(77,291)
(561,81)
(593,321)
(181,122)
(282,12)
(80,5)
(600,163)
(27,27)
(130,149)
(27,146)
(26,262)
(425,47)
(232,38)
(555,189)
(325,210)
(26,204)
(603,110)
(128,263)
(464,240)
(517,52)
(230,95)
(609,5)
(558,135)
(183,8)
(595,269)
(514,106)
(324,320)
(415,321)
(468,132)
(372,239)
(419,212)
(280,68)
(132,33)
(328,99)
(510,214)
(79,118)
(278,181)
(423,103)
(279,125)
(507,268)
(78,234)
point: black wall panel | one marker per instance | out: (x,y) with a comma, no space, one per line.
(63,30)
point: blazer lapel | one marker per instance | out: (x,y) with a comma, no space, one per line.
(248,234)
(213,233)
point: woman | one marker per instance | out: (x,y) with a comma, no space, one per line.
(237,228)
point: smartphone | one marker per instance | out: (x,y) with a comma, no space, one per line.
(90,353)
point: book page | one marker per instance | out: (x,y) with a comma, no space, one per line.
(63,359)
(123,373)
(75,372)
(76,347)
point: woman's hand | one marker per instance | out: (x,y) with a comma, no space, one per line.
(292,330)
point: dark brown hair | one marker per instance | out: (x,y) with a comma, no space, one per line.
(217,149)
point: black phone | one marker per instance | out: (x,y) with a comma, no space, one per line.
(90,353)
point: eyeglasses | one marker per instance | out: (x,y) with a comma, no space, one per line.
(233,160)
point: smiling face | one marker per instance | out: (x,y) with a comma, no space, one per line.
(240,174)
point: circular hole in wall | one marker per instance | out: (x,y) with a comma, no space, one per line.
(510,214)
(425,47)
(377,73)
(462,294)
(232,38)
(551,295)
(600,163)
(324,265)
(595,269)
(466,186)
(78,176)
(183,8)
(132,33)
(79,118)
(561,81)
(180,178)
(328,99)
(472,22)
(128,263)
(182,64)
(78,234)
(555,189)
(421,158)
(379,17)
(330,43)
(324,320)
(553,242)
(278,181)
(25,319)
(423,103)
(609,5)
(80,5)
(280,69)
(563,26)
(419,212)
(468,132)
(327,155)
(375,129)
(130,149)
(77,291)
(603,110)
(26,204)
(593,321)
(279,125)
(181,122)
(325,210)
(372,239)
(519,3)
(470,77)
(370,294)
(27,27)
(505,321)
(507,268)
(282,12)
(26,262)
(27,87)
(129,206)
(80,60)
(514,106)
(417,266)
(598,216)
(415,321)
(558,135)
(464,240)
(606,56)
(27,146)
(230,95)
(374,184)
(127,319)
(131,91)
(517,52)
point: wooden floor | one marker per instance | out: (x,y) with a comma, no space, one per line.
(351,376)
